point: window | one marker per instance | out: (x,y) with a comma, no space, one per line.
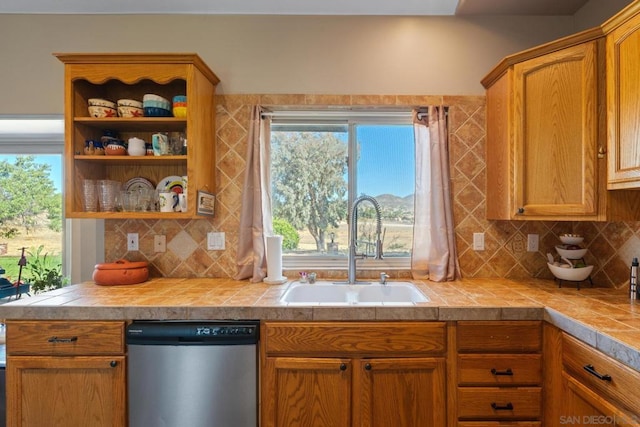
(31,189)
(320,163)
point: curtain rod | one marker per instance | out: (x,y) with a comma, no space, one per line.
(342,114)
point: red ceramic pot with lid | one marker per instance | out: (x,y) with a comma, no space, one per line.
(121,272)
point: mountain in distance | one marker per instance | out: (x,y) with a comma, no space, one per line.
(390,201)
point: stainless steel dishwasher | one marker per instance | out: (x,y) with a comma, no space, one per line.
(196,374)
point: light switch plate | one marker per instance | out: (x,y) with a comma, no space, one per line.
(215,241)
(132,241)
(478,241)
(533,241)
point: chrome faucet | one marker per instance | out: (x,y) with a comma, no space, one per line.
(353,236)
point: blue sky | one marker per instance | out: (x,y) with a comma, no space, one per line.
(386,160)
(53,160)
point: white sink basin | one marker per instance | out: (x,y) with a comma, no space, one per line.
(336,294)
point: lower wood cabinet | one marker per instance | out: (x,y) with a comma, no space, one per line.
(368,374)
(586,388)
(66,374)
(498,373)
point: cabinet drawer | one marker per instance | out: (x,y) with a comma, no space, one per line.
(346,338)
(499,337)
(492,403)
(621,387)
(500,369)
(64,338)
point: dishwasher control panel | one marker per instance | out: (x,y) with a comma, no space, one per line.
(225,330)
(193,332)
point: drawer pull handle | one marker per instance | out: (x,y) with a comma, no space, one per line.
(367,366)
(113,363)
(509,372)
(592,371)
(507,407)
(343,366)
(56,339)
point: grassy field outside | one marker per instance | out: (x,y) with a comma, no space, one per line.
(397,237)
(51,241)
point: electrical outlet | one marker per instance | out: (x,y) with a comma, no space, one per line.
(478,241)
(160,243)
(215,241)
(532,242)
(132,241)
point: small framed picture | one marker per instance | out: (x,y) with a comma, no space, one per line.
(206,202)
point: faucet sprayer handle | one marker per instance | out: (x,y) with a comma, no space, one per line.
(378,249)
(383,278)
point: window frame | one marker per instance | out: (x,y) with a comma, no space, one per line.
(38,135)
(350,118)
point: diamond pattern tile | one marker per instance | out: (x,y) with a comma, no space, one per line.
(611,245)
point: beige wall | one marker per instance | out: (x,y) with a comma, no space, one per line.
(595,12)
(274,54)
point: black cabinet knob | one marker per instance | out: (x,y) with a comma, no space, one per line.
(343,366)
(113,363)
(367,366)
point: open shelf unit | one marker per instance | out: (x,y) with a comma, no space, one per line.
(131,76)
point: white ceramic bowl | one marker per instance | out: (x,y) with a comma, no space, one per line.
(99,102)
(129,103)
(571,239)
(101,112)
(129,112)
(572,274)
(570,253)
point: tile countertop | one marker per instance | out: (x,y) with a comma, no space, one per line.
(604,318)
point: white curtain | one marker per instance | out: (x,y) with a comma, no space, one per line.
(434,247)
(255,215)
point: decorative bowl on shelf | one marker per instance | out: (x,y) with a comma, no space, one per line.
(572,274)
(570,251)
(115,150)
(129,112)
(179,111)
(151,100)
(102,112)
(571,239)
(156,112)
(100,102)
(129,103)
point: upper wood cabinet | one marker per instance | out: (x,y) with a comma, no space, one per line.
(546,149)
(542,137)
(131,76)
(623,103)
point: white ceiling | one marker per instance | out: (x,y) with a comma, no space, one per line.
(297,7)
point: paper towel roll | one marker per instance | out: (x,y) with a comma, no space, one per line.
(274,260)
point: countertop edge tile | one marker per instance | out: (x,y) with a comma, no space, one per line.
(469,313)
(522,313)
(571,326)
(618,350)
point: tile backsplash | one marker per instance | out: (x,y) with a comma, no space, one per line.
(611,244)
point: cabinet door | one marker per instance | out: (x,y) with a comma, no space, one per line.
(580,406)
(400,392)
(66,391)
(623,105)
(555,134)
(306,392)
